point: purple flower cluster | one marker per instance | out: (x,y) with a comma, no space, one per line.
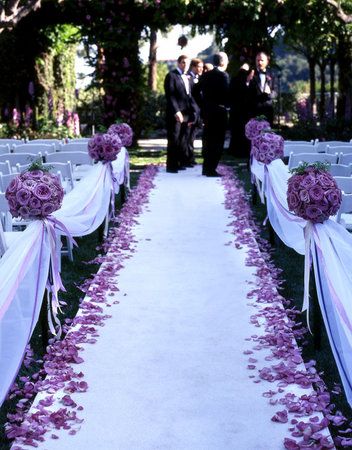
(255,126)
(34,194)
(104,147)
(313,195)
(267,146)
(124,131)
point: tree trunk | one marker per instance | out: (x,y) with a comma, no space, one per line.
(332,89)
(153,74)
(322,67)
(344,61)
(312,87)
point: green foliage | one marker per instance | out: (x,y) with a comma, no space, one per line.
(301,169)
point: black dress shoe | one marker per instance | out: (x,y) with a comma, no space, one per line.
(171,170)
(213,174)
(182,168)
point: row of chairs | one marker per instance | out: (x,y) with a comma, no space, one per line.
(296,159)
(309,148)
(43,148)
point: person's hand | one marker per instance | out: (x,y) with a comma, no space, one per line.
(250,76)
(190,124)
(179,117)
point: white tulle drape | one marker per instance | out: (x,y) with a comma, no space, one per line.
(24,267)
(331,252)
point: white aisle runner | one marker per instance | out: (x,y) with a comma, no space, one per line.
(168,371)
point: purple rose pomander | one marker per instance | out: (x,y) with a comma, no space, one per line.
(104,147)
(255,126)
(313,194)
(34,194)
(267,146)
(124,131)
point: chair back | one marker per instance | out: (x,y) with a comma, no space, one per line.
(55,142)
(299,148)
(5,215)
(74,147)
(345,158)
(76,158)
(34,148)
(310,158)
(4,148)
(64,170)
(11,142)
(19,158)
(5,168)
(339,149)
(346,206)
(5,180)
(340,170)
(345,184)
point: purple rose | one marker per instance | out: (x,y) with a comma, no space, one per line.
(33,212)
(304,195)
(14,185)
(316,193)
(35,174)
(48,208)
(23,211)
(23,196)
(314,213)
(326,180)
(292,200)
(308,181)
(42,191)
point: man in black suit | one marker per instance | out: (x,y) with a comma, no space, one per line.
(214,88)
(181,112)
(194,74)
(261,92)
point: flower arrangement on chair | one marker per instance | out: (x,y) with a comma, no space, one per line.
(267,146)
(313,193)
(104,147)
(255,126)
(124,131)
(35,193)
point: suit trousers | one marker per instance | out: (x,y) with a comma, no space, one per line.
(215,125)
(177,143)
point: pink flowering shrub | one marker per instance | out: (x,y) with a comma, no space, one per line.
(255,126)
(124,131)
(267,146)
(34,194)
(313,193)
(104,147)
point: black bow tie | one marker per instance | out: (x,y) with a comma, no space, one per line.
(262,72)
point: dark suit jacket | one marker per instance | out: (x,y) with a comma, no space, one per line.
(177,98)
(214,88)
(261,103)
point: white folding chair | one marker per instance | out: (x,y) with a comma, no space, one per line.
(340,170)
(7,239)
(339,149)
(4,149)
(19,158)
(5,215)
(74,147)
(56,142)
(345,184)
(290,142)
(5,180)
(78,140)
(297,159)
(299,148)
(81,162)
(64,170)
(344,215)
(11,142)
(34,148)
(5,168)
(345,158)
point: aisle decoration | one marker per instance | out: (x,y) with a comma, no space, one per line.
(313,195)
(124,131)
(267,146)
(255,126)
(34,194)
(104,147)
(58,376)
(306,416)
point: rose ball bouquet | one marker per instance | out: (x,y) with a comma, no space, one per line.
(124,131)
(313,193)
(255,126)
(104,147)
(267,146)
(34,194)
